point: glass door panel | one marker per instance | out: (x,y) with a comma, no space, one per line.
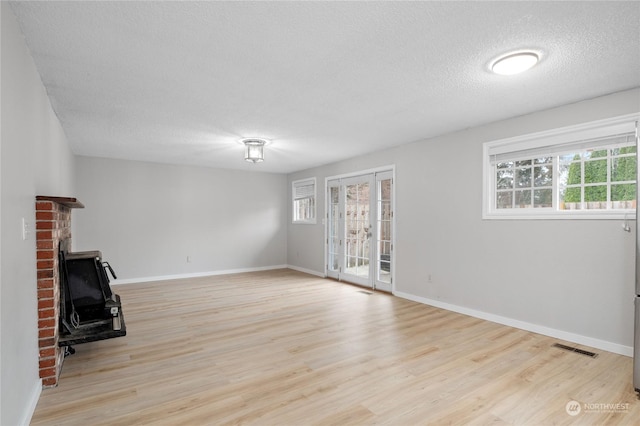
(359,230)
(384,237)
(357,225)
(333,234)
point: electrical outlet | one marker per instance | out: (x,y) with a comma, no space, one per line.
(429,278)
(188,259)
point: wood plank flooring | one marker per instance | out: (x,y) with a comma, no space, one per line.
(286,348)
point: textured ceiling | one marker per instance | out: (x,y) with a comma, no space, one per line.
(182,82)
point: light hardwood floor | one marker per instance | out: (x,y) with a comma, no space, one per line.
(285,348)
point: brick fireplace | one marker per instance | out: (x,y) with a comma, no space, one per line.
(53,233)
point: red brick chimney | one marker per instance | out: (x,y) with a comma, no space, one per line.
(53,234)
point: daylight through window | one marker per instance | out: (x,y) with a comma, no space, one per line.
(587,170)
(304,201)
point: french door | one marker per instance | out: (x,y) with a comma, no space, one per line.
(360,230)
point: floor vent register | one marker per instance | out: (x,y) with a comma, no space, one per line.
(576,350)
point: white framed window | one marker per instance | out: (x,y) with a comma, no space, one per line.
(304,201)
(586,171)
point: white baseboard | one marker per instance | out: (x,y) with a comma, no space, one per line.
(307,271)
(31,404)
(547,331)
(195,275)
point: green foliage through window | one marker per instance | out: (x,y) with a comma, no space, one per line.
(602,179)
(602,176)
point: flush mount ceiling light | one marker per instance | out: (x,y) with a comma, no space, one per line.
(515,63)
(254,149)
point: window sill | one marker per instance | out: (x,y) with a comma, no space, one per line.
(535,214)
(303,222)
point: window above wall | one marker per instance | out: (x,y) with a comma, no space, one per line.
(304,201)
(586,171)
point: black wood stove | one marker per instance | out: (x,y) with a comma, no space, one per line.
(89,310)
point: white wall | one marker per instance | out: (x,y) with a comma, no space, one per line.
(573,278)
(34,160)
(148,218)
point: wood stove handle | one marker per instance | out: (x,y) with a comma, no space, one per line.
(106,265)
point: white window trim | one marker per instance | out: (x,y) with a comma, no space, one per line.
(560,136)
(301,182)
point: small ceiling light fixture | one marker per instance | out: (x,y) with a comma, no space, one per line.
(254,149)
(515,62)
